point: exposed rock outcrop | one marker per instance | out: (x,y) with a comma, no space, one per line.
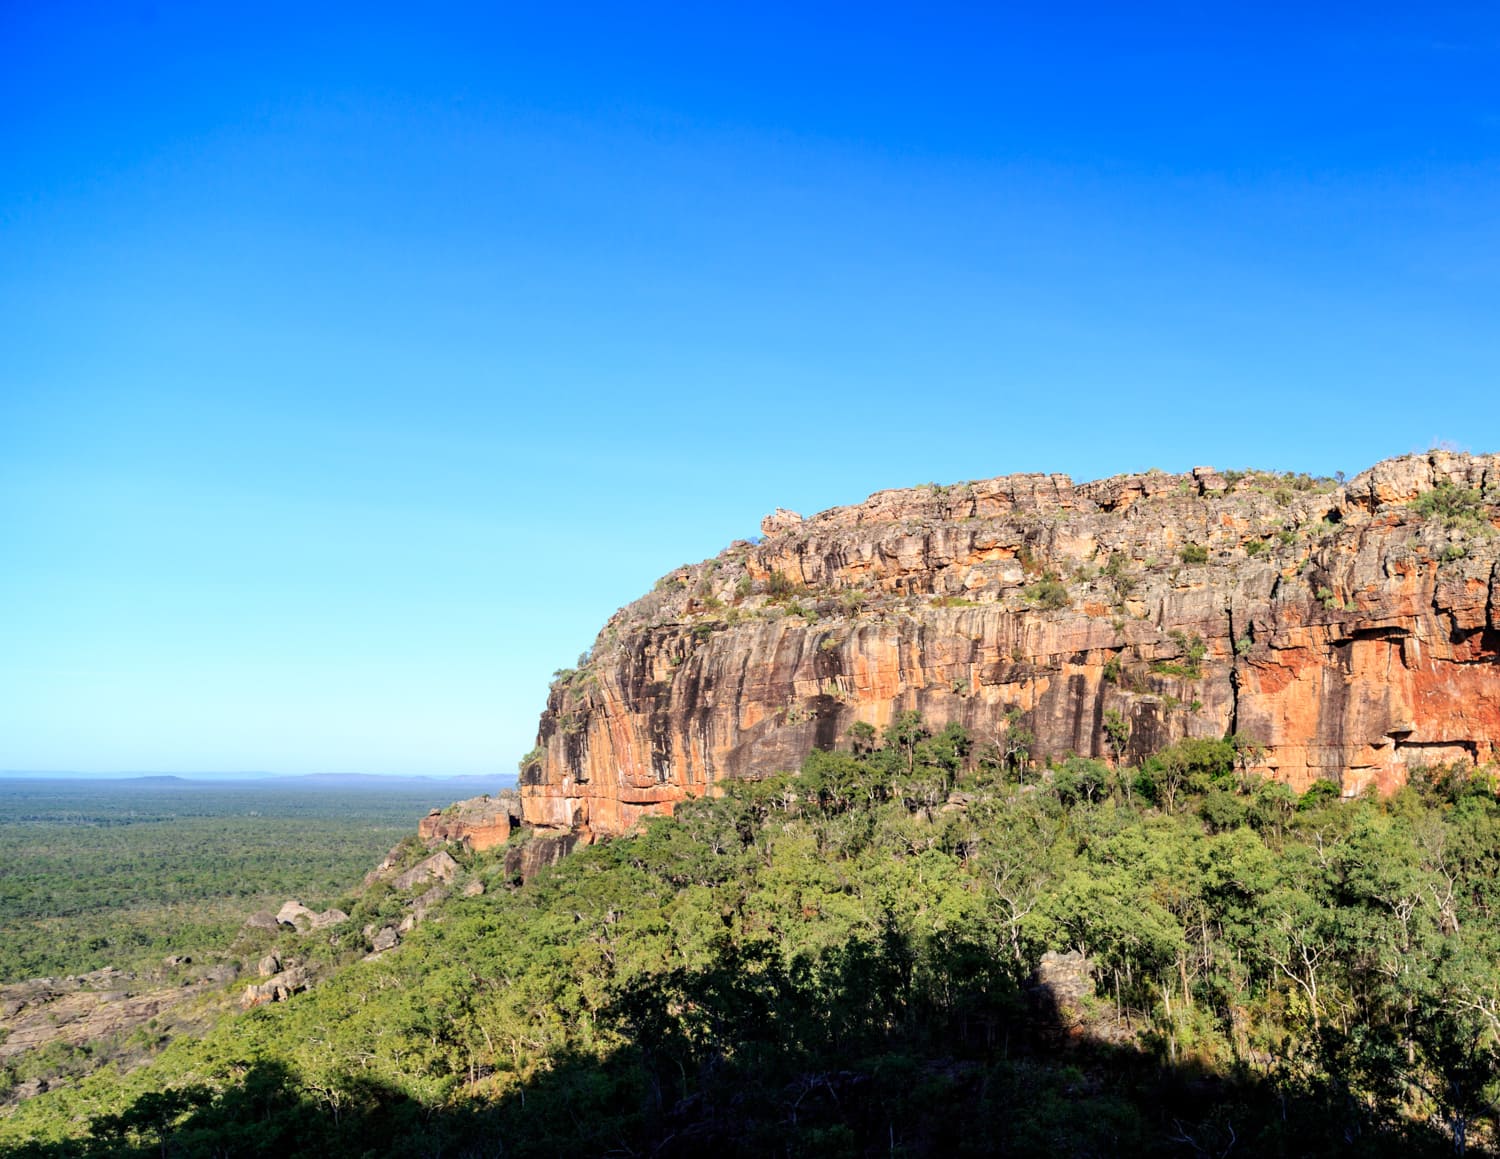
(1354,630)
(301,918)
(478,824)
(277,988)
(96,1006)
(421,907)
(329,918)
(296,915)
(527,860)
(439,867)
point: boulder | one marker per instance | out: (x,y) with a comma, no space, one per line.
(779,522)
(439,867)
(329,917)
(277,988)
(1067,977)
(477,824)
(296,915)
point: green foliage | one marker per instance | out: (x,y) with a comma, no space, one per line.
(1048,593)
(1116,732)
(1452,505)
(842,962)
(1191,653)
(1450,783)
(103,873)
(1318,794)
(1193,553)
(781,588)
(862,737)
(1192,765)
(1222,810)
(851,601)
(1116,570)
(1080,779)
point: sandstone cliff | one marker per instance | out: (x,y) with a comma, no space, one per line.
(1352,629)
(477,824)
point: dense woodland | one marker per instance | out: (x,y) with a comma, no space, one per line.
(120,873)
(842,962)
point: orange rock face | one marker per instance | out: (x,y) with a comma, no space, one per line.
(479,823)
(1353,630)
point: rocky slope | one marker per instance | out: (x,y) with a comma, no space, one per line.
(1350,628)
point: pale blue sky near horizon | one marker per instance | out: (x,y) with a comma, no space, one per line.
(356,363)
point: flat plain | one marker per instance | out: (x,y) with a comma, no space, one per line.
(123,872)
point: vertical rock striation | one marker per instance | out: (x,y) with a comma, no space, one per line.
(1351,629)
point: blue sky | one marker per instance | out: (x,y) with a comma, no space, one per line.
(356,363)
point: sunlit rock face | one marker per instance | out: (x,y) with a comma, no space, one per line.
(1351,629)
(477,824)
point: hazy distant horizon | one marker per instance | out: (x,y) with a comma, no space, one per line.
(247,775)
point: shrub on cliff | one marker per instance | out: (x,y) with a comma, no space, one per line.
(1048,593)
(1454,506)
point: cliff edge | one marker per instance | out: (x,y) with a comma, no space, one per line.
(1349,627)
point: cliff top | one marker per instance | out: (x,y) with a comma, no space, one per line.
(1396,480)
(856,557)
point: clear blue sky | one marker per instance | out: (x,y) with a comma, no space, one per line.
(356,361)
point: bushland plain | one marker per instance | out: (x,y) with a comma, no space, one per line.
(97,873)
(891,953)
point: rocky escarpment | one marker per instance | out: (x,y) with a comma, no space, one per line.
(477,824)
(1350,628)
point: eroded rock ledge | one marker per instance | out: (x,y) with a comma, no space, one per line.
(1351,628)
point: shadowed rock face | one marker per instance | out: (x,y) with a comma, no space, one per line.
(1353,630)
